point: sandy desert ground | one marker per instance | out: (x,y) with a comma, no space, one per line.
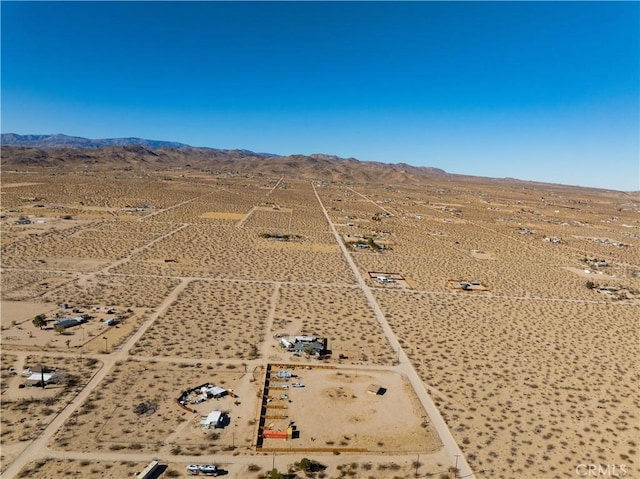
(533,375)
(333,411)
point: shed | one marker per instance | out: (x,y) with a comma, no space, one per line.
(213,419)
(376,389)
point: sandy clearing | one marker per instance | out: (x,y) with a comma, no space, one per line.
(222,216)
(292,245)
(589,273)
(17,185)
(482,255)
(22,311)
(334,410)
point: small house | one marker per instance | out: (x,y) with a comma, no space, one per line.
(36,379)
(308,347)
(65,323)
(39,378)
(214,419)
(316,347)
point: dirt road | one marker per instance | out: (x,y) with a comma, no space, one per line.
(34,450)
(451,447)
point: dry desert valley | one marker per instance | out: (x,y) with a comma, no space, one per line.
(438,326)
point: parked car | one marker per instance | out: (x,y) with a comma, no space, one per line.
(206,469)
(193,469)
(209,469)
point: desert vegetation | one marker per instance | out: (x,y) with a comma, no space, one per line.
(533,374)
(210,320)
(517,380)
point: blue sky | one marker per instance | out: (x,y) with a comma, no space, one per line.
(543,91)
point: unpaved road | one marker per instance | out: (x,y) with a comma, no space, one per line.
(38,448)
(34,450)
(405,366)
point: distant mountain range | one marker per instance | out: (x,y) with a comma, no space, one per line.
(62,150)
(58,151)
(65,141)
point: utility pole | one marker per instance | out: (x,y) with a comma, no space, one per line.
(417,465)
(456,471)
(106,348)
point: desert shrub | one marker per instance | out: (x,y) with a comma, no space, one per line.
(145,408)
(275,474)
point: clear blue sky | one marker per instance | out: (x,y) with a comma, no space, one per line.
(542,91)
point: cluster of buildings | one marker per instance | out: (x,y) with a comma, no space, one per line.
(201,393)
(65,322)
(310,345)
(609,242)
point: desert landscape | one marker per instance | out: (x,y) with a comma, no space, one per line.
(464,327)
